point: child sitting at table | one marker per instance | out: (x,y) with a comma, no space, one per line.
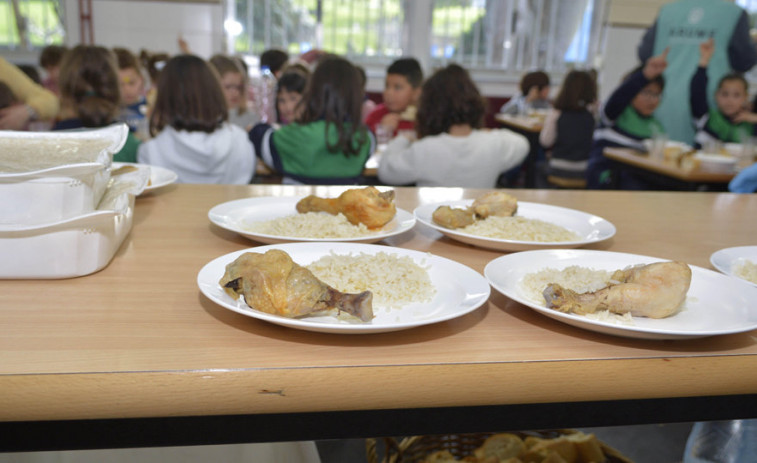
(289,89)
(626,119)
(730,120)
(234,84)
(192,135)
(534,88)
(327,143)
(452,149)
(568,130)
(90,95)
(402,88)
(132,85)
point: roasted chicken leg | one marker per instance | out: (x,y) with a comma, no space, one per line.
(360,205)
(655,291)
(275,284)
(495,203)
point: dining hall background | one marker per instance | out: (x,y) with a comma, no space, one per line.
(599,34)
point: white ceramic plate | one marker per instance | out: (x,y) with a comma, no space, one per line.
(590,228)
(459,290)
(159,176)
(726,259)
(234,215)
(715,304)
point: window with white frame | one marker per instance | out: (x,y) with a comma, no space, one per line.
(30,24)
(518,35)
(353,28)
(512,35)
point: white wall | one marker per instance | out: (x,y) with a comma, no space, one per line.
(152,25)
(619,58)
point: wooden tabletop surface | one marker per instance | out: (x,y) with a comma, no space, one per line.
(522,122)
(646,162)
(138,339)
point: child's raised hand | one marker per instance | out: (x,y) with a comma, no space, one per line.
(656,65)
(706,49)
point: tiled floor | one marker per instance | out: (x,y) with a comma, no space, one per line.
(663,443)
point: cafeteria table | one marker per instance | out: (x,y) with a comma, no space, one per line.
(135,355)
(674,175)
(530,127)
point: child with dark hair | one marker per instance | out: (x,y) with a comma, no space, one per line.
(402,89)
(234,83)
(568,130)
(132,84)
(275,60)
(626,120)
(49,59)
(289,90)
(730,120)
(90,95)
(327,142)
(192,135)
(452,149)
(534,94)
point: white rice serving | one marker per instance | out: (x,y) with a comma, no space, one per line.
(520,229)
(24,155)
(395,281)
(747,270)
(577,278)
(310,225)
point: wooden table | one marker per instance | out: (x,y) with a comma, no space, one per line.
(530,127)
(646,163)
(135,355)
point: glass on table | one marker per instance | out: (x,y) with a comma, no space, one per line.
(657,147)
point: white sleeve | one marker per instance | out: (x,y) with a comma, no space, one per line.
(397,165)
(548,133)
(516,148)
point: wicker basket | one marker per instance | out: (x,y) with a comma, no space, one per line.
(415,448)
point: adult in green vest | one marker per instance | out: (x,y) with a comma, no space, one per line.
(681,26)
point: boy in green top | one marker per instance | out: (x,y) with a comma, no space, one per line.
(729,120)
(626,120)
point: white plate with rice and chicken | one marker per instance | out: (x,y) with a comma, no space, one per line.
(273,220)
(532,226)
(739,262)
(710,303)
(407,288)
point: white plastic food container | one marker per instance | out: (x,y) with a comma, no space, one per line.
(52,176)
(75,246)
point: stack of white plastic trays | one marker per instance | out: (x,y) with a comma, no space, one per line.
(61,213)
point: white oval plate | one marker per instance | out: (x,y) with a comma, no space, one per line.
(590,227)
(726,259)
(159,176)
(233,216)
(715,304)
(459,290)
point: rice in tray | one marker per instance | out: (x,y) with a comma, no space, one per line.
(577,278)
(395,281)
(747,270)
(310,225)
(520,229)
(24,155)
